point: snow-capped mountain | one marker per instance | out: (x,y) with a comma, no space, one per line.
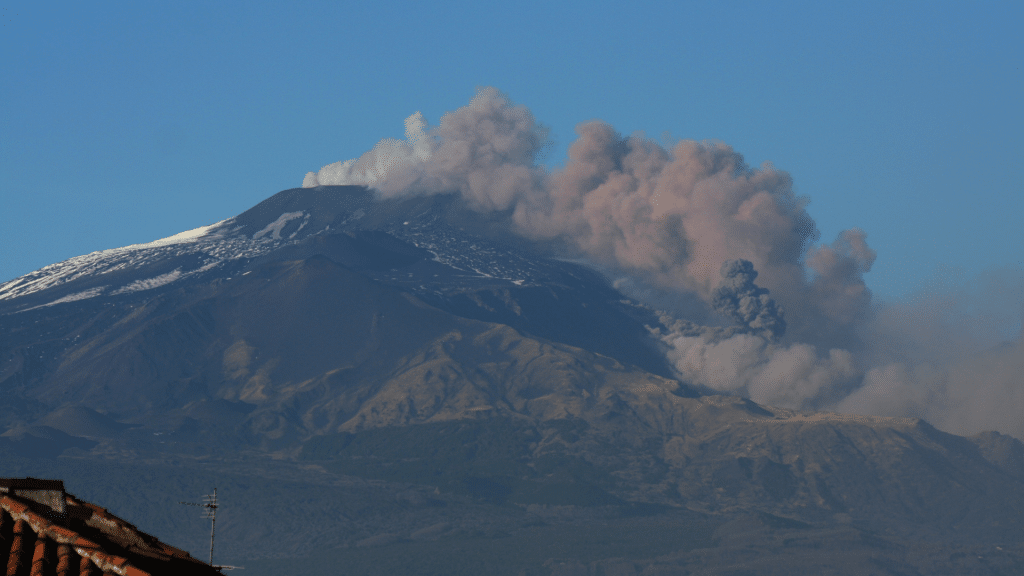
(435,248)
(420,244)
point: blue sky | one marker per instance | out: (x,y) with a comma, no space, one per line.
(126,122)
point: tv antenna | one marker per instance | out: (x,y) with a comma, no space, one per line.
(210,503)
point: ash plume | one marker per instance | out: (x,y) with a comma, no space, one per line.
(674,220)
(738,298)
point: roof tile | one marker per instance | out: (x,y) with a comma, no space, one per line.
(95,538)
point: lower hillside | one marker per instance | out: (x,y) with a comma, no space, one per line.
(359,427)
(618,487)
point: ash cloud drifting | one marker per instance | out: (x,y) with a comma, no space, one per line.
(693,219)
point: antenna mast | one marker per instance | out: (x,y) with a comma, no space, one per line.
(211,512)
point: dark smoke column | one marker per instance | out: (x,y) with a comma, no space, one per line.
(747,304)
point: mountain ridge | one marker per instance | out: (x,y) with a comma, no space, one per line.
(416,346)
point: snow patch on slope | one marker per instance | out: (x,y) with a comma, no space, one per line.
(204,238)
(80,295)
(275,227)
(83,295)
(186,236)
(150,283)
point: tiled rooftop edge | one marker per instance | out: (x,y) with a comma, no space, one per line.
(85,548)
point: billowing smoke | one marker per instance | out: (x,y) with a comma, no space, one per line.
(738,298)
(793,376)
(746,358)
(954,358)
(485,150)
(693,220)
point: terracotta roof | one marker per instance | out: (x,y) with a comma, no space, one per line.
(45,531)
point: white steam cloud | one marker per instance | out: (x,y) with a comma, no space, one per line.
(485,150)
(695,221)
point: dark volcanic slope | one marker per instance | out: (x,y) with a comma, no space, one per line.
(435,248)
(300,318)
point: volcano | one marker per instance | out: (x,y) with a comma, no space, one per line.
(406,386)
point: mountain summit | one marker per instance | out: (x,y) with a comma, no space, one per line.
(415,351)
